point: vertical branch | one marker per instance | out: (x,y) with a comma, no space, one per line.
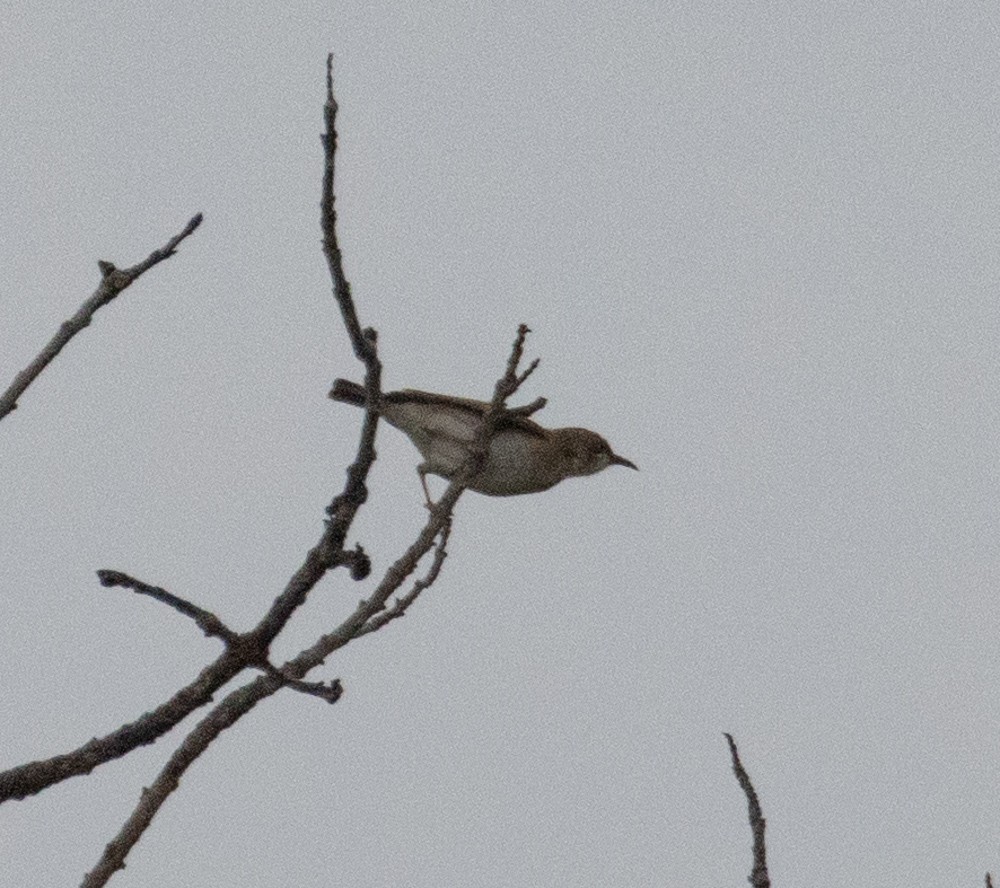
(344,507)
(363,342)
(506,386)
(758,875)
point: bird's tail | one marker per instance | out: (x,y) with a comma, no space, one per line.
(348,392)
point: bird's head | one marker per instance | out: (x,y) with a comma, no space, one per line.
(584,452)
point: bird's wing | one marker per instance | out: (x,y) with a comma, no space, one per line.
(478,408)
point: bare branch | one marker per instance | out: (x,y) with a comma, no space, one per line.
(113,281)
(208,622)
(241,701)
(31,778)
(363,342)
(404,601)
(532,367)
(528,409)
(223,716)
(330,691)
(250,649)
(758,875)
(510,382)
(327,554)
(344,507)
(227,713)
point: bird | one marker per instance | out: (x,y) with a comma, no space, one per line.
(523,456)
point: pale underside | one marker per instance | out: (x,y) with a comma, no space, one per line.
(444,433)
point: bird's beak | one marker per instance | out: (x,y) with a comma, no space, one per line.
(617,460)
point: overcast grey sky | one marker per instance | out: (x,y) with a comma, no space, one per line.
(758,246)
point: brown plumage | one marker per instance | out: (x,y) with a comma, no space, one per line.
(524,457)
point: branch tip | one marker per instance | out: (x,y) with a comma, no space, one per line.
(208,622)
(759,877)
(528,409)
(113,281)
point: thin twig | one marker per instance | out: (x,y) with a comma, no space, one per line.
(113,281)
(364,342)
(208,622)
(402,603)
(329,691)
(532,367)
(364,345)
(758,875)
(527,409)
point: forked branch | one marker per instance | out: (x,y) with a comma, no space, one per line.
(328,553)
(363,620)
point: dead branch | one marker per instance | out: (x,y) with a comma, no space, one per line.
(208,622)
(328,553)
(758,875)
(113,282)
(402,603)
(240,702)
